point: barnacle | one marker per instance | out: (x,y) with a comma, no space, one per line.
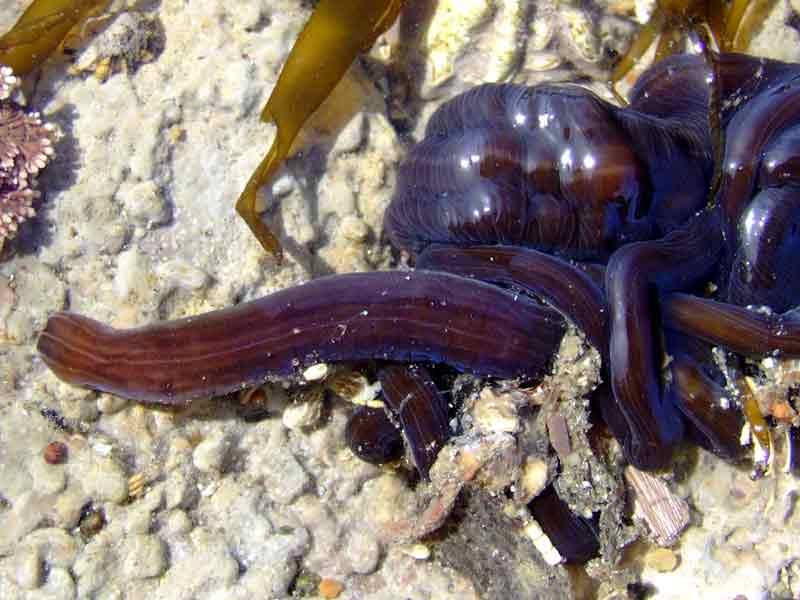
(25,148)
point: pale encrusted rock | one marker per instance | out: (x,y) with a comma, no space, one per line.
(210,453)
(55,546)
(177,522)
(270,460)
(144,202)
(26,568)
(145,557)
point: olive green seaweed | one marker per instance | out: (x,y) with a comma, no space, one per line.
(41,29)
(336,33)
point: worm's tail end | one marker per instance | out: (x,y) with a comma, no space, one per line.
(73,347)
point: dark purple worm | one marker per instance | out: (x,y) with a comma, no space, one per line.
(393,315)
(574,537)
(737,328)
(702,402)
(412,397)
(635,274)
(558,281)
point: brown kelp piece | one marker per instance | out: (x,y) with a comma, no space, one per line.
(334,35)
(730,25)
(41,29)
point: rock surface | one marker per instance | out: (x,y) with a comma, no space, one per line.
(159,115)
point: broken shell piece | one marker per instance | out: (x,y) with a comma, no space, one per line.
(496,412)
(316,372)
(416,551)
(665,513)
(137,484)
(532,481)
(542,543)
(573,536)
(354,387)
(306,410)
(558,433)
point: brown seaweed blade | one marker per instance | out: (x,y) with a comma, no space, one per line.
(730,26)
(41,29)
(334,35)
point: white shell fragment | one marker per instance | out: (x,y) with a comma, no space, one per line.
(533,479)
(416,551)
(542,543)
(665,513)
(355,388)
(316,372)
(496,412)
(306,411)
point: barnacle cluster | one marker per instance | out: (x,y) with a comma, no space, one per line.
(26,146)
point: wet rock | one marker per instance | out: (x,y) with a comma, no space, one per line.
(486,546)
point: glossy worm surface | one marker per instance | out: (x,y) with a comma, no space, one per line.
(401,316)
(603,212)
(557,170)
(411,395)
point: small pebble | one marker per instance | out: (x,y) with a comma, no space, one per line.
(55,546)
(354,229)
(351,136)
(146,557)
(55,453)
(417,551)
(662,560)
(362,551)
(178,523)
(180,490)
(210,453)
(180,274)
(108,404)
(330,588)
(283,186)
